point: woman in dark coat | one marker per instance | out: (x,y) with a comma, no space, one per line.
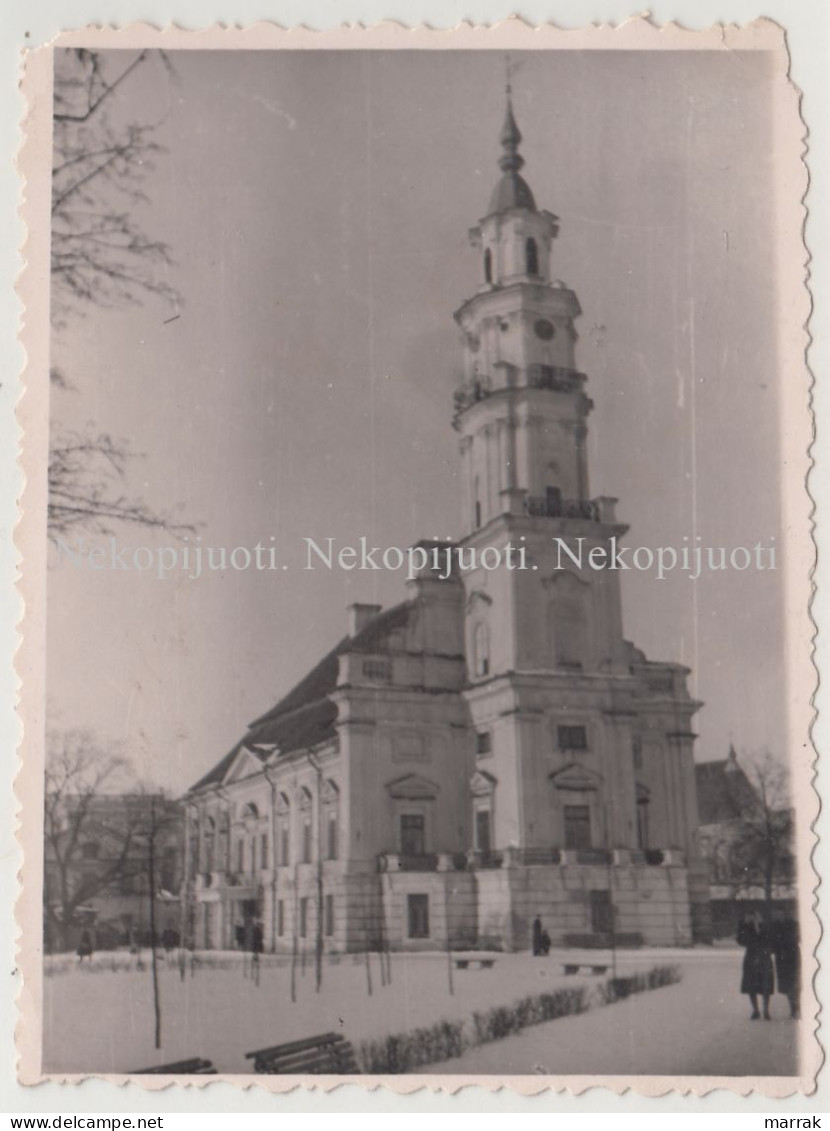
(787,950)
(757,976)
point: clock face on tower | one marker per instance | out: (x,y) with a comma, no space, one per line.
(543,329)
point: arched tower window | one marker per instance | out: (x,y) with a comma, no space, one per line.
(481,650)
(488,265)
(531,257)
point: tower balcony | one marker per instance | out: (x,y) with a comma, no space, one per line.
(538,506)
(601,509)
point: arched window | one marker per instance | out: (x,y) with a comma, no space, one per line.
(481,650)
(488,266)
(250,811)
(284,830)
(304,801)
(476,504)
(531,257)
(209,845)
(331,802)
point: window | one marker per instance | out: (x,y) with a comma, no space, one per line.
(285,843)
(572,737)
(488,266)
(304,917)
(377,670)
(531,257)
(577,826)
(281,918)
(637,752)
(209,844)
(483,830)
(413,834)
(332,836)
(483,743)
(602,913)
(240,856)
(417,907)
(252,855)
(481,650)
(263,851)
(642,822)
(329,915)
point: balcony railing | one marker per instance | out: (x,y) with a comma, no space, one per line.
(594,856)
(538,856)
(541,507)
(408,862)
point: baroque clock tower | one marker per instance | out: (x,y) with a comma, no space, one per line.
(584,748)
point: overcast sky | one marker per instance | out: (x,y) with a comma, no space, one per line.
(317,205)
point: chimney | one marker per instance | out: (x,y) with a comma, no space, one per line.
(360,616)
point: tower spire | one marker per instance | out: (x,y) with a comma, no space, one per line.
(511,191)
(511,137)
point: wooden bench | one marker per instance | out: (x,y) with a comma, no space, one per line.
(589,967)
(197,1066)
(475,963)
(327,1055)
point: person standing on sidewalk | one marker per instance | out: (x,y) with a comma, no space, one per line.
(757,976)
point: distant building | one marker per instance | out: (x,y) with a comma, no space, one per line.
(492,749)
(726,798)
(97,870)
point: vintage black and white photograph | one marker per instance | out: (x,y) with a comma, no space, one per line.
(420,539)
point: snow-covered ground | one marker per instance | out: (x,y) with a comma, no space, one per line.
(699,1027)
(102,1020)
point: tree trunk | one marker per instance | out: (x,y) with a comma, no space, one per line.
(153,954)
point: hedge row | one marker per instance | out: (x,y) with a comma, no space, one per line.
(405,1052)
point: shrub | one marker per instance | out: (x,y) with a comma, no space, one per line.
(623,986)
(403,1052)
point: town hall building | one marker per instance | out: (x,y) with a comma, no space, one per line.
(492,749)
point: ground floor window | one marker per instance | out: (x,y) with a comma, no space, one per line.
(418,916)
(329,915)
(602,913)
(281,918)
(303,917)
(577,826)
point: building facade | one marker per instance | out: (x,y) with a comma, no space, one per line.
(492,749)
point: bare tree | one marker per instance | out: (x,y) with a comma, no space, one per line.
(100,253)
(102,832)
(758,851)
(102,257)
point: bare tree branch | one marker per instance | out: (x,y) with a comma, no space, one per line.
(100,257)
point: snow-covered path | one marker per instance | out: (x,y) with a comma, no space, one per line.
(699,1027)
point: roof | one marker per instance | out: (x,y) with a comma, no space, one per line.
(307,714)
(512,191)
(724,792)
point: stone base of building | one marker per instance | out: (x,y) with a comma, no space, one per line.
(478,907)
